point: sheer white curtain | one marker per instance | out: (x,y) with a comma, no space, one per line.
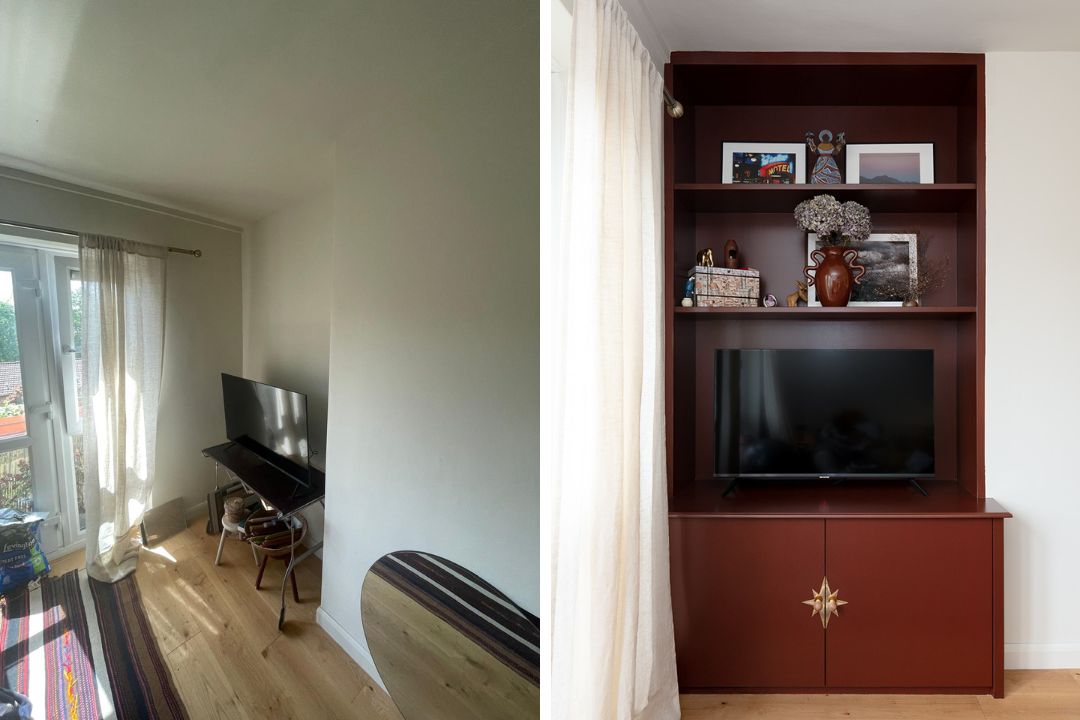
(123,285)
(610,638)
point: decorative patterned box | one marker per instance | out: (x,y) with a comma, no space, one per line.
(722,287)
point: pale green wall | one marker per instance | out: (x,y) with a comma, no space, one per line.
(434,358)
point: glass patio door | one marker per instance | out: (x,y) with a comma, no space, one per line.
(28,457)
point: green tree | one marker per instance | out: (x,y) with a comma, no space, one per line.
(76,314)
(9,342)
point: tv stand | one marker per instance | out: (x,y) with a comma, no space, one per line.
(277,490)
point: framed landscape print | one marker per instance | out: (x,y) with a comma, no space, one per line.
(764,163)
(891,261)
(890,164)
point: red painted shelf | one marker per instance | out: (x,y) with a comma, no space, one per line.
(826,313)
(814,499)
(720,197)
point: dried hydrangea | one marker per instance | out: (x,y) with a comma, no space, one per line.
(856,225)
(821,214)
(836,223)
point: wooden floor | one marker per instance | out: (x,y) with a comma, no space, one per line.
(1032,694)
(220,639)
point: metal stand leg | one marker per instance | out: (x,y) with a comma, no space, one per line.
(294,560)
(221,544)
(285,579)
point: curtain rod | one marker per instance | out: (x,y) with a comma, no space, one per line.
(61,231)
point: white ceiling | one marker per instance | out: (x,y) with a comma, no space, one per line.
(227,108)
(853,25)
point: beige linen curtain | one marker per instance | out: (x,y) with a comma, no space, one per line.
(123,285)
(609,635)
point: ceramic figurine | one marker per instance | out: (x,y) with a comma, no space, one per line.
(705,258)
(799,294)
(826,171)
(688,291)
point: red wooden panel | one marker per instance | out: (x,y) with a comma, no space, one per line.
(999,608)
(920,610)
(736,590)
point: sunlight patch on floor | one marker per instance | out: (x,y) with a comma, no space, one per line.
(160,551)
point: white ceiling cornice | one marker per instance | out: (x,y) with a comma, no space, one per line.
(27,172)
(868,25)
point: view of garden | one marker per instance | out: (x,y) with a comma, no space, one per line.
(16,490)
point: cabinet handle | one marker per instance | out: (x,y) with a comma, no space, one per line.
(824,602)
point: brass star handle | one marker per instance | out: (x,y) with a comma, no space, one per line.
(824,602)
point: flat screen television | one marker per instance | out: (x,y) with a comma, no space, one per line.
(824,414)
(270,421)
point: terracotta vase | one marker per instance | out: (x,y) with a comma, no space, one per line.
(832,275)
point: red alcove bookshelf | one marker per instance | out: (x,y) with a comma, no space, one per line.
(873,98)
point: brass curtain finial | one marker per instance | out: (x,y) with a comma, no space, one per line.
(824,602)
(674,107)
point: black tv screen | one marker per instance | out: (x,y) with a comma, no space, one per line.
(824,413)
(269,421)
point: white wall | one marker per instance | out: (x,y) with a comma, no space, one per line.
(434,357)
(202,315)
(1032,345)
(287,293)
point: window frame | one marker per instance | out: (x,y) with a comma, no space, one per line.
(65,267)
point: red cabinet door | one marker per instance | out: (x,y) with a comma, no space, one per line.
(920,606)
(736,592)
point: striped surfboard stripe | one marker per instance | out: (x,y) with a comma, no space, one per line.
(83,650)
(470,605)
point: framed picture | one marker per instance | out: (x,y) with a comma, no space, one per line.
(765,163)
(891,261)
(890,164)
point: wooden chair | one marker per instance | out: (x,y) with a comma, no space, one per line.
(270,537)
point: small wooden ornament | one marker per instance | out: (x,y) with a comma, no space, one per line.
(731,255)
(799,294)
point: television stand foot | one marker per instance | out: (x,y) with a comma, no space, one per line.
(915,484)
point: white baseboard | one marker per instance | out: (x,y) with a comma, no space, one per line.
(1041,656)
(355,650)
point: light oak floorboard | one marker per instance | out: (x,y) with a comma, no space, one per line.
(1049,694)
(220,639)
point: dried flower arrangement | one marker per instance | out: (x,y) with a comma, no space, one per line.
(932,275)
(835,222)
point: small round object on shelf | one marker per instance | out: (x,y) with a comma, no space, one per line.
(769,301)
(687,302)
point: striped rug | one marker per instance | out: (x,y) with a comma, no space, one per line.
(79,648)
